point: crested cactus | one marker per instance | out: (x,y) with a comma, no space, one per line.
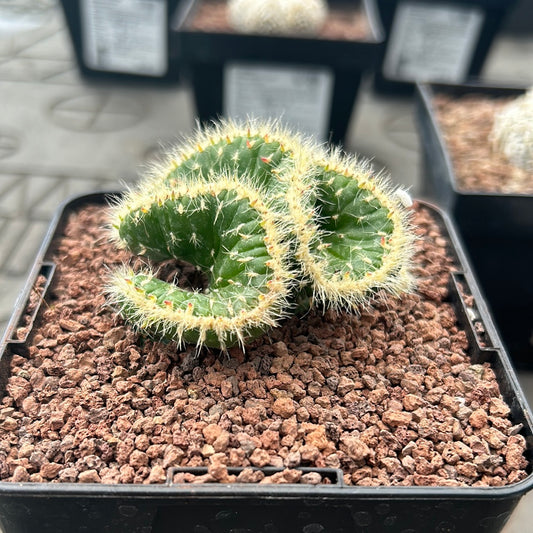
(265,215)
(512,132)
(224,228)
(278,17)
(361,241)
(185,208)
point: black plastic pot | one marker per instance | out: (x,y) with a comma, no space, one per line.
(319,78)
(519,21)
(123,41)
(251,508)
(497,229)
(436,40)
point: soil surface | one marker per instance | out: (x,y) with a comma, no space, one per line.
(466,123)
(343,22)
(391,397)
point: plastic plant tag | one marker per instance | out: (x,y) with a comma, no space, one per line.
(432,42)
(300,96)
(129,36)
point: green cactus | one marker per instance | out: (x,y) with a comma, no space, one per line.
(161,220)
(267,154)
(227,230)
(264,214)
(361,241)
(278,17)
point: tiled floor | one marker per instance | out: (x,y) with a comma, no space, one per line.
(60,136)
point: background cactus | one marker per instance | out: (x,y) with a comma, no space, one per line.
(512,132)
(264,214)
(278,17)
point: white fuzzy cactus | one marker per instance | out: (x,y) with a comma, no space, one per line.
(512,132)
(278,17)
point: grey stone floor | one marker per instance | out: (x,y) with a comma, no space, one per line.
(60,136)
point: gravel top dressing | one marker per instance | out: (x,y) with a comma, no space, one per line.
(466,124)
(390,396)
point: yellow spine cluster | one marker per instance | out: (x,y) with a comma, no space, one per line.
(302,195)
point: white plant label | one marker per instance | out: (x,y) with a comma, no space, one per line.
(432,42)
(128,36)
(299,96)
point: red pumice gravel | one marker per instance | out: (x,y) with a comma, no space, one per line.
(389,396)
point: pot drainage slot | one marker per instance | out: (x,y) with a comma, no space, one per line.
(252,475)
(28,305)
(470,314)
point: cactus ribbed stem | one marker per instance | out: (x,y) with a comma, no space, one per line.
(233,236)
(268,155)
(263,214)
(264,151)
(362,240)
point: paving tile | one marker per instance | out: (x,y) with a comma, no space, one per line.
(10,289)
(78,187)
(27,69)
(51,197)
(520,520)
(19,32)
(98,112)
(509,61)
(13,235)
(33,52)
(384,130)
(103,130)
(68,76)
(12,200)
(10,141)
(22,256)
(37,192)
(55,45)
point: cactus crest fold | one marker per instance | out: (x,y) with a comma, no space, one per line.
(263,213)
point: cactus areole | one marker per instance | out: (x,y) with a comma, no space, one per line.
(265,214)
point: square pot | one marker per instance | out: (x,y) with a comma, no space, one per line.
(497,228)
(123,42)
(311,82)
(436,41)
(330,506)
